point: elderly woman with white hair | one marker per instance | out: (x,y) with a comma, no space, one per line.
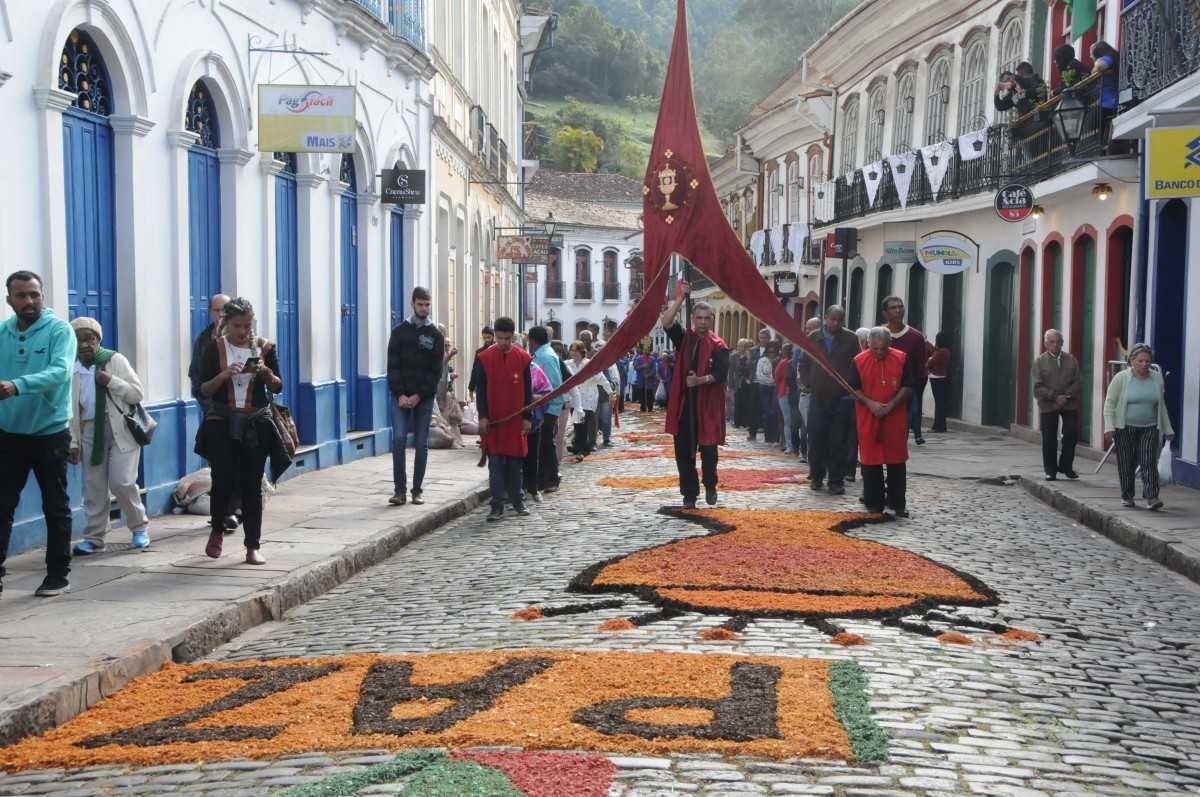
(104,387)
(1135,417)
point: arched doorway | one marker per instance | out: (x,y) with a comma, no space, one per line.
(1026,335)
(88,175)
(952,325)
(287,286)
(1118,281)
(1052,286)
(916,296)
(204,204)
(831,291)
(349,284)
(999,337)
(396,263)
(883,289)
(1083,316)
(1170,275)
(854,313)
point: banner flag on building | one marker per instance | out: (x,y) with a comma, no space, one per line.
(1083,17)
(973,146)
(683,216)
(873,176)
(937,161)
(902,172)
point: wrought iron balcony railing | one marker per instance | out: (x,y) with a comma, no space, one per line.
(612,292)
(1029,149)
(1160,45)
(405,18)
(583,291)
(554,289)
(635,289)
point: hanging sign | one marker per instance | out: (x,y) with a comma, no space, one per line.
(306,119)
(1172,162)
(532,249)
(1014,202)
(403,187)
(786,284)
(947,252)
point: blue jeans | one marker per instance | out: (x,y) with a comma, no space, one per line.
(415,420)
(604,418)
(785,412)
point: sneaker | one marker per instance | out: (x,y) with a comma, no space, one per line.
(253,557)
(497,513)
(216,539)
(535,497)
(522,511)
(1154,504)
(837,489)
(920,441)
(899,513)
(398,498)
(1128,503)
(887,512)
(231,523)
(1050,477)
(710,496)
(416,497)
(86,548)
(141,539)
(52,586)
(1070,474)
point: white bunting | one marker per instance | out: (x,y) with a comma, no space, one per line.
(937,161)
(902,172)
(973,146)
(873,176)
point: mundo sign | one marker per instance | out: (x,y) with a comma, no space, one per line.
(306,118)
(947,252)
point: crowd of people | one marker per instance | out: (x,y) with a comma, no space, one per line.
(67,400)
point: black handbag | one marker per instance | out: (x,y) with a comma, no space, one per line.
(140,424)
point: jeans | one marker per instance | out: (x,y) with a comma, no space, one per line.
(941,402)
(604,411)
(645,395)
(830,439)
(235,465)
(800,420)
(878,496)
(46,456)
(1138,447)
(1052,461)
(785,412)
(914,409)
(533,455)
(547,472)
(768,408)
(414,420)
(504,477)
(685,461)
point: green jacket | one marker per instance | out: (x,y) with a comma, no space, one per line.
(1114,403)
(38,361)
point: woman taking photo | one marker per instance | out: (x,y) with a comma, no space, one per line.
(1135,416)
(103,388)
(239,374)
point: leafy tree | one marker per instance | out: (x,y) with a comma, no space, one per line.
(576,150)
(642,103)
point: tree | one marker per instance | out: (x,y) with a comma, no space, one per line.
(575,150)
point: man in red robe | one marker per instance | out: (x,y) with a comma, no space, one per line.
(883,383)
(503,386)
(696,401)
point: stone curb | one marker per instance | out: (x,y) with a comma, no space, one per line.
(48,705)
(1117,529)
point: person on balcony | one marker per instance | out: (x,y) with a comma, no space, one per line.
(1023,90)
(1070,69)
(1104,63)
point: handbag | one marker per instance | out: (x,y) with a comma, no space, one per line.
(140,424)
(285,427)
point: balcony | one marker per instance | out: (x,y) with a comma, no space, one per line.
(635,289)
(405,18)
(1028,149)
(612,292)
(1160,45)
(554,289)
(583,292)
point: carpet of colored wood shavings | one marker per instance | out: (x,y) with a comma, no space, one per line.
(847,639)
(719,634)
(783,562)
(646,437)
(549,774)
(528,613)
(561,706)
(954,638)
(618,624)
(1020,635)
(668,452)
(735,480)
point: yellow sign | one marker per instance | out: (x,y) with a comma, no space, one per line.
(1172,162)
(306,119)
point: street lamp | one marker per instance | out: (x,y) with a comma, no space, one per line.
(1068,119)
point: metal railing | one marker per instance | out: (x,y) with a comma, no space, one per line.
(1030,148)
(635,289)
(1160,45)
(554,289)
(405,18)
(583,291)
(612,292)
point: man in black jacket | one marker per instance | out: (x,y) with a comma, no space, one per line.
(415,357)
(830,408)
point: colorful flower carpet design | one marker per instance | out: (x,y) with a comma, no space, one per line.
(534,700)
(738,480)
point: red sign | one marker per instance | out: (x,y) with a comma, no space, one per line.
(1014,202)
(831,245)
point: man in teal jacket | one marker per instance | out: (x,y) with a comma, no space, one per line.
(547,453)
(37,352)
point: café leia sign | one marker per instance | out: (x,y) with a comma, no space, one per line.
(306,119)
(531,249)
(947,252)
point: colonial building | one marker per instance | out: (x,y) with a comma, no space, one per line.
(918,147)
(135,186)
(1160,88)
(595,269)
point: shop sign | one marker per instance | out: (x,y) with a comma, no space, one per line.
(403,187)
(306,119)
(1014,202)
(1172,162)
(786,285)
(895,252)
(533,249)
(947,252)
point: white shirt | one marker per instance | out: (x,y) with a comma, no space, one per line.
(87,391)
(764,371)
(241,382)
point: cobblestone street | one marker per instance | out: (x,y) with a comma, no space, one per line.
(1107,703)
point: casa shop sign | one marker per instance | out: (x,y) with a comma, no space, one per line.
(403,186)
(1014,202)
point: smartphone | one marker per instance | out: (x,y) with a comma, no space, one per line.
(252,364)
